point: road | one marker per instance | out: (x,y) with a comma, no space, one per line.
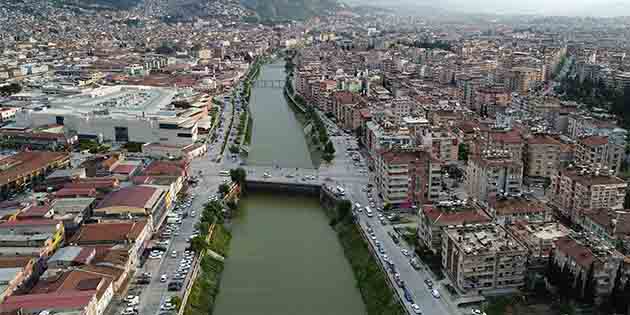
(153,295)
(344,172)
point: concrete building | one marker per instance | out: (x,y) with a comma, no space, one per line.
(508,209)
(542,156)
(26,168)
(581,252)
(406,177)
(599,152)
(118,114)
(538,238)
(483,259)
(492,174)
(522,79)
(575,189)
(433,219)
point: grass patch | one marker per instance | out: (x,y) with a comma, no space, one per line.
(248,131)
(371,280)
(206,286)
(205,289)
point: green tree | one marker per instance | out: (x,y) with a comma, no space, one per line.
(344,208)
(234,149)
(232,205)
(329,149)
(463,152)
(388,206)
(239,175)
(589,286)
(198,244)
(177,301)
(224,189)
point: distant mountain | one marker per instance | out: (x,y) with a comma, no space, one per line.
(289,9)
(105,4)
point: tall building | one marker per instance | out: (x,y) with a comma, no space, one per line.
(432,219)
(483,258)
(522,79)
(491,174)
(542,156)
(575,189)
(599,152)
(407,176)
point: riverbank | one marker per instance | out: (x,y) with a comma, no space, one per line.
(202,296)
(370,277)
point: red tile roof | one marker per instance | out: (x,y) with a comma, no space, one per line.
(581,254)
(543,139)
(51,301)
(164,168)
(124,169)
(454,217)
(25,163)
(109,232)
(71,192)
(594,140)
(133,196)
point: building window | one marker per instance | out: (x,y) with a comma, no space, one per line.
(184,135)
(59,120)
(168,126)
(121,134)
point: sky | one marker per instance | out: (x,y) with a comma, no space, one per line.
(544,7)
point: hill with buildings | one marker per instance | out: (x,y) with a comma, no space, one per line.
(289,9)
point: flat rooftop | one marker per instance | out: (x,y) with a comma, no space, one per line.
(122,99)
(482,239)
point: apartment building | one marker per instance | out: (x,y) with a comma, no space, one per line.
(445,145)
(599,152)
(432,219)
(483,258)
(492,99)
(609,225)
(581,253)
(491,174)
(521,79)
(407,177)
(539,238)
(542,156)
(576,189)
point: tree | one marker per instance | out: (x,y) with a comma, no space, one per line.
(234,149)
(344,208)
(198,244)
(388,206)
(232,205)
(463,152)
(224,189)
(238,175)
(329,149)
(589,287)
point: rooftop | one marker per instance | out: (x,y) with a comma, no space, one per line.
(25,163)
(109,232)
(481,239)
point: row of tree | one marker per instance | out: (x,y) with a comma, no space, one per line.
(320,134)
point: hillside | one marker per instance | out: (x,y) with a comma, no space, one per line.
(289,9)
(106,4)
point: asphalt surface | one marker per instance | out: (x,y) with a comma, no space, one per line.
(343,171)
(156,293)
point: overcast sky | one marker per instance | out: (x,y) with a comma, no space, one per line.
(546,7)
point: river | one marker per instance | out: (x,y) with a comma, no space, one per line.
(277,134)
(284,257)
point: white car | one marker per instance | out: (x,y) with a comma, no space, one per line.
(435,293)
(416,308)
(163,278)
(405,252)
